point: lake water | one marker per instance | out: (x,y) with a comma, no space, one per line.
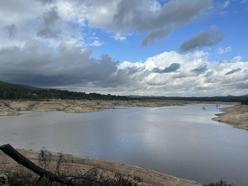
(179,140)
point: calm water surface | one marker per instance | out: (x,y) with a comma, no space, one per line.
(180,140)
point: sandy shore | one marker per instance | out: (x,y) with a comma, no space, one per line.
(10,108)
(236,115)
(71,165)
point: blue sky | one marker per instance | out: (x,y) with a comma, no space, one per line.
(232,21)
(138,47)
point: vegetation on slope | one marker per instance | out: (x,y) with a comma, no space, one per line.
(13,92)
(244,102)
(220,183)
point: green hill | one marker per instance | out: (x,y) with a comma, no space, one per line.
(12,91)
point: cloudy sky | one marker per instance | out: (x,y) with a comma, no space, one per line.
(127,47)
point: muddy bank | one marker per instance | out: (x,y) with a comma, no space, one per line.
(10,108)
(236,115)
(71,165)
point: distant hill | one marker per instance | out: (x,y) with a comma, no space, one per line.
(13,91)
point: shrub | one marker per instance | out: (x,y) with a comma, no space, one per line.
(244,102)
(220,183)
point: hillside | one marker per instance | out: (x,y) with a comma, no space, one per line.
(13,91)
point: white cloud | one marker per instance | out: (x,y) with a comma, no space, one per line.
(119,37)
(166,74)
(122,17)
(196,76)
(225,50)
(97,43)
(47,48)
(236,59)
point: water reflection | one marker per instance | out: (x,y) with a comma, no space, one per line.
(180,140)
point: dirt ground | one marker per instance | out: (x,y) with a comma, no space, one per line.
(236,115)
(9,108)
(71,165)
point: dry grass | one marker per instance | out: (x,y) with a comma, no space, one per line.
(104,172)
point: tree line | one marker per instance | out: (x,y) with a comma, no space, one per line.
(10,91)
(14,92)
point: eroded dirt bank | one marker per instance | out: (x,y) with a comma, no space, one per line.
(8,108)
(236,115)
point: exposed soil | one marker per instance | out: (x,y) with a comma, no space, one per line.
(236,115)
(10,108)
(71,165)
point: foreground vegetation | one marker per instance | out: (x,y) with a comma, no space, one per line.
(73,170)
(57,177)
(50,169)
(16,180)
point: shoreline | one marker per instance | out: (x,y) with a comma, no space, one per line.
(76,166)
(236,115)
(13,108)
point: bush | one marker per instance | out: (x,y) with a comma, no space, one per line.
(220,183)
(245,102)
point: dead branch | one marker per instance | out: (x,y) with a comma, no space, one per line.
(19,158)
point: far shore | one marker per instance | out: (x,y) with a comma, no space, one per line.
(15,107)
(12,108)
(235,115)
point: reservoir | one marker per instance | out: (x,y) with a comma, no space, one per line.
(182,141)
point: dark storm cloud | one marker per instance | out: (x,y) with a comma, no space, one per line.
(50,24)
(172,68)
(134,15)
(37,65)
(233,71)
(203,39)
(46,1)
(11,30)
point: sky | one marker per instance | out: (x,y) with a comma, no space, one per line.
(124,47)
